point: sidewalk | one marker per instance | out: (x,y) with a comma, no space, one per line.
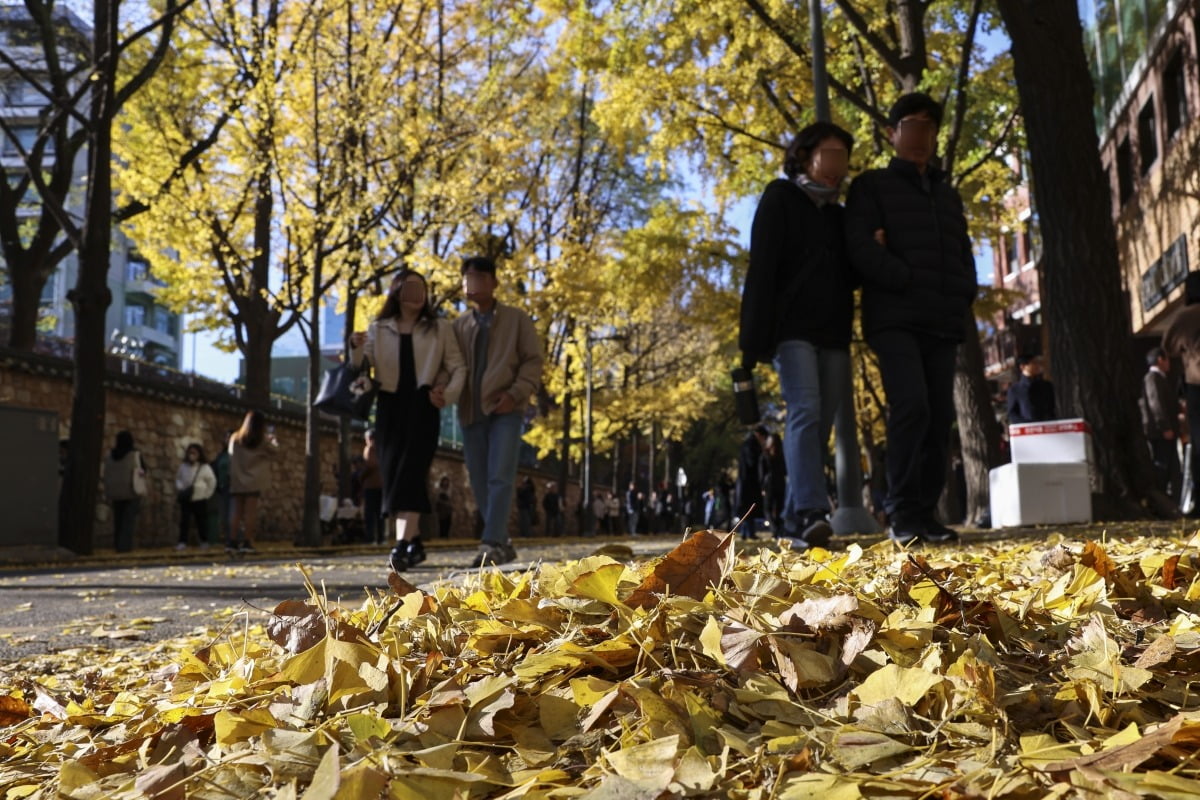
(35,556)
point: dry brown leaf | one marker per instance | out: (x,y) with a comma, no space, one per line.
(1170,569)
(1160,651)
(689,570)
(399,584)
(13,710)
(1176,734)
(818,613)
(296,626)
(1094,556)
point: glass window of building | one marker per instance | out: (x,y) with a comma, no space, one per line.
(136,269)
(135,315)
(1175,105)
(1147,131)
(27,136)
(1124,171)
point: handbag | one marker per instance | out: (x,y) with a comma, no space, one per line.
(139,477)
(347,391)
(184,495)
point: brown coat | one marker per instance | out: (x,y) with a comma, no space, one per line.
(1182,340)
(514,360)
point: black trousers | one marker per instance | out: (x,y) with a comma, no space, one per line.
(197,510)
(918,378)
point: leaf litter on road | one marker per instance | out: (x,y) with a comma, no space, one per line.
(1023,669)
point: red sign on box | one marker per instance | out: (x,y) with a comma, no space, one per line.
(1063,426)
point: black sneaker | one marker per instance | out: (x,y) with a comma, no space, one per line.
(509,552)
(398,558)
(936,532)
(815,528)
(906,530)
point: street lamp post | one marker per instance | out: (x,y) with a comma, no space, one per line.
(586,498)
(820,76)
(850,516)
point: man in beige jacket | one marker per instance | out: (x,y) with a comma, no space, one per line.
(504,369)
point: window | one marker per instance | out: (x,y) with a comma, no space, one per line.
(136,269)
(1174,93)
(1147,136)
(1124,171)
(20,92)
(26,135)
(1013,257)
(1027,243)
(135,316)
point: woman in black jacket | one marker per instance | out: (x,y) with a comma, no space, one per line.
(797,309)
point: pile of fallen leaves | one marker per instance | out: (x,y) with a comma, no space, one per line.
(1026,670)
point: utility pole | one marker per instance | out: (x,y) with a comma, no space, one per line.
(850,516)
(820,76)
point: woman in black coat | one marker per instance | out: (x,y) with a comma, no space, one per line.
(797,309)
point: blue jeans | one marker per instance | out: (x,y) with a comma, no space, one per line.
(810,379)
(491,447)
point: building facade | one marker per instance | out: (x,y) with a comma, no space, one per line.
(1144,61)
(140,326)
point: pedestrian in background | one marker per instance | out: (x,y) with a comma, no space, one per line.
(219,510)
(372,483)
(526,507)
(1031,396)
(599,513)
(1160,421)
(749,489)
(251,449)
(552,505)
(774,482)
(1182,341)
(124,486)
(633,508)
(614,512)
(443,506)
(195,484)
(907,237)
(504,369)
(419,366)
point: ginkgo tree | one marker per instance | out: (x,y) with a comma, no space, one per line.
(725,85)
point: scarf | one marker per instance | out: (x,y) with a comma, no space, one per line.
(819,193)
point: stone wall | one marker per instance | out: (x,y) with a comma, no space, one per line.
(166,411)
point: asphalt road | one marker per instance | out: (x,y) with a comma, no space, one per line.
(117,606)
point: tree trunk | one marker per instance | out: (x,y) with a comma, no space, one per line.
(257,354)
(978,428)
(1087,317)
(564,467)
(90,298)
(27,285)
(310,532)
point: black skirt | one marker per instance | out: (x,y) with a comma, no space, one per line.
(406,426)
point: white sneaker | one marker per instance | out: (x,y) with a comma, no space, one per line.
(181,546)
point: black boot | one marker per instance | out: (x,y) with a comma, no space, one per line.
(398,558)
(416,552)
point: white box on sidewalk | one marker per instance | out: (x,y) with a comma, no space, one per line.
(1058,441)
(1040,494)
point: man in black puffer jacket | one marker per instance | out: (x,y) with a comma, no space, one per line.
(907,239)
